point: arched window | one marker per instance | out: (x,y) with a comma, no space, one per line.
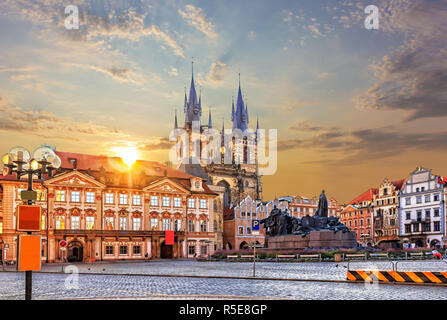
(227,194)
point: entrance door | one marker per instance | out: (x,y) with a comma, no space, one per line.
(75,252)
(167,251)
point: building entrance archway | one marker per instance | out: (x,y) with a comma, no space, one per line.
(75,252)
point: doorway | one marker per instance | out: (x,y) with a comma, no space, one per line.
(167,251)
(75,252)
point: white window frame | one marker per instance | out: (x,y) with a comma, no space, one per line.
(89,196)
(177,202)
(166,201)
(109,198)
(123,199)
(136,200)
(136,224)
(75,222)
(154,201)
(203,204)
(75,196)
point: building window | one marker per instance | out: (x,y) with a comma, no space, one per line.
(123,249)
(203,226)
(241,230)
(436,214)
(191,226)
(407,228)
(419,215)
(166,224)
(109,250)
(154,224)
(75,196)
(154,201)
(177,202)
(136,224)
(90,223)
(204,250)
(416,227)
(436,197)
(427,198)
(248,230)
(408,201)
(42,223)
(191,249)
(89,197)
(426,227)
(60,195)
(419,199)
(109,223)
(109,198)
(191,203)
(361,222)
(123,223)
(166,202)
(60,222)
(436,226)
(136,250)
(408,215)
(136,200)
(123,198)
(202,204)
(178,224)
(75,222)
(427,213)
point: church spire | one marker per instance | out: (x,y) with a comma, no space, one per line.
(193,105)
(210,124)
(240,120)
(175,120)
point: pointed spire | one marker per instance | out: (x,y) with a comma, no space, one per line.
(175,120)
(246,108)
(232,108)
(240,116)
(210,124)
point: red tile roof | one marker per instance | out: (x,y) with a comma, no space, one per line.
(399,184)
(365,196)
(94,163)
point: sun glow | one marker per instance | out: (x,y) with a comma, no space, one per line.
(128,154)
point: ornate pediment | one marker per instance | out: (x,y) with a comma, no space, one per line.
(75,179)
(166,186)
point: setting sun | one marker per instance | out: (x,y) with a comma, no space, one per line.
(128,154)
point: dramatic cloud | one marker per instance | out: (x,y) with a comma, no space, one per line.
(216,76)
(197,18)
(46,124)
(413,78)
(361,145)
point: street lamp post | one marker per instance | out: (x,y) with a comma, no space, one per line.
(44,162)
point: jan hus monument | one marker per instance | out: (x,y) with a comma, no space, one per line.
(319,231)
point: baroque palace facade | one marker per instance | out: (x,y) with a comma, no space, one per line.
(104,211)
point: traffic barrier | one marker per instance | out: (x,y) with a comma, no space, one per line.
(397,276)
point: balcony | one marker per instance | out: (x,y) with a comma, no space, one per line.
(114,233)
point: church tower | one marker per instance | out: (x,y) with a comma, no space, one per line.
(240,176)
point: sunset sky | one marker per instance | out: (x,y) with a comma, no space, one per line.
(352,106)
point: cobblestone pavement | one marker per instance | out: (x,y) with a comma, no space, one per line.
(299,270)
(53,286)
(114,283)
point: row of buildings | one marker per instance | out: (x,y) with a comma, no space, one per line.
(409,212)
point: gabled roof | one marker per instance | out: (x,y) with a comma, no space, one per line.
(399,184)
(365,196)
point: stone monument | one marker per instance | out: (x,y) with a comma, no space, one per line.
(319,231)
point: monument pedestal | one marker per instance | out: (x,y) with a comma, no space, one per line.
(316,239)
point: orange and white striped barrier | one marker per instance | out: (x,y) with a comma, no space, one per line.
(397,276)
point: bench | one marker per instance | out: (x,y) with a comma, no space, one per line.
(285,256)
(379,255)
(356,256)
(310,256)
(232,257)
(414,255)
(247,256)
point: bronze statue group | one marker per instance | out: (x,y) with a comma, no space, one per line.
(282,223)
